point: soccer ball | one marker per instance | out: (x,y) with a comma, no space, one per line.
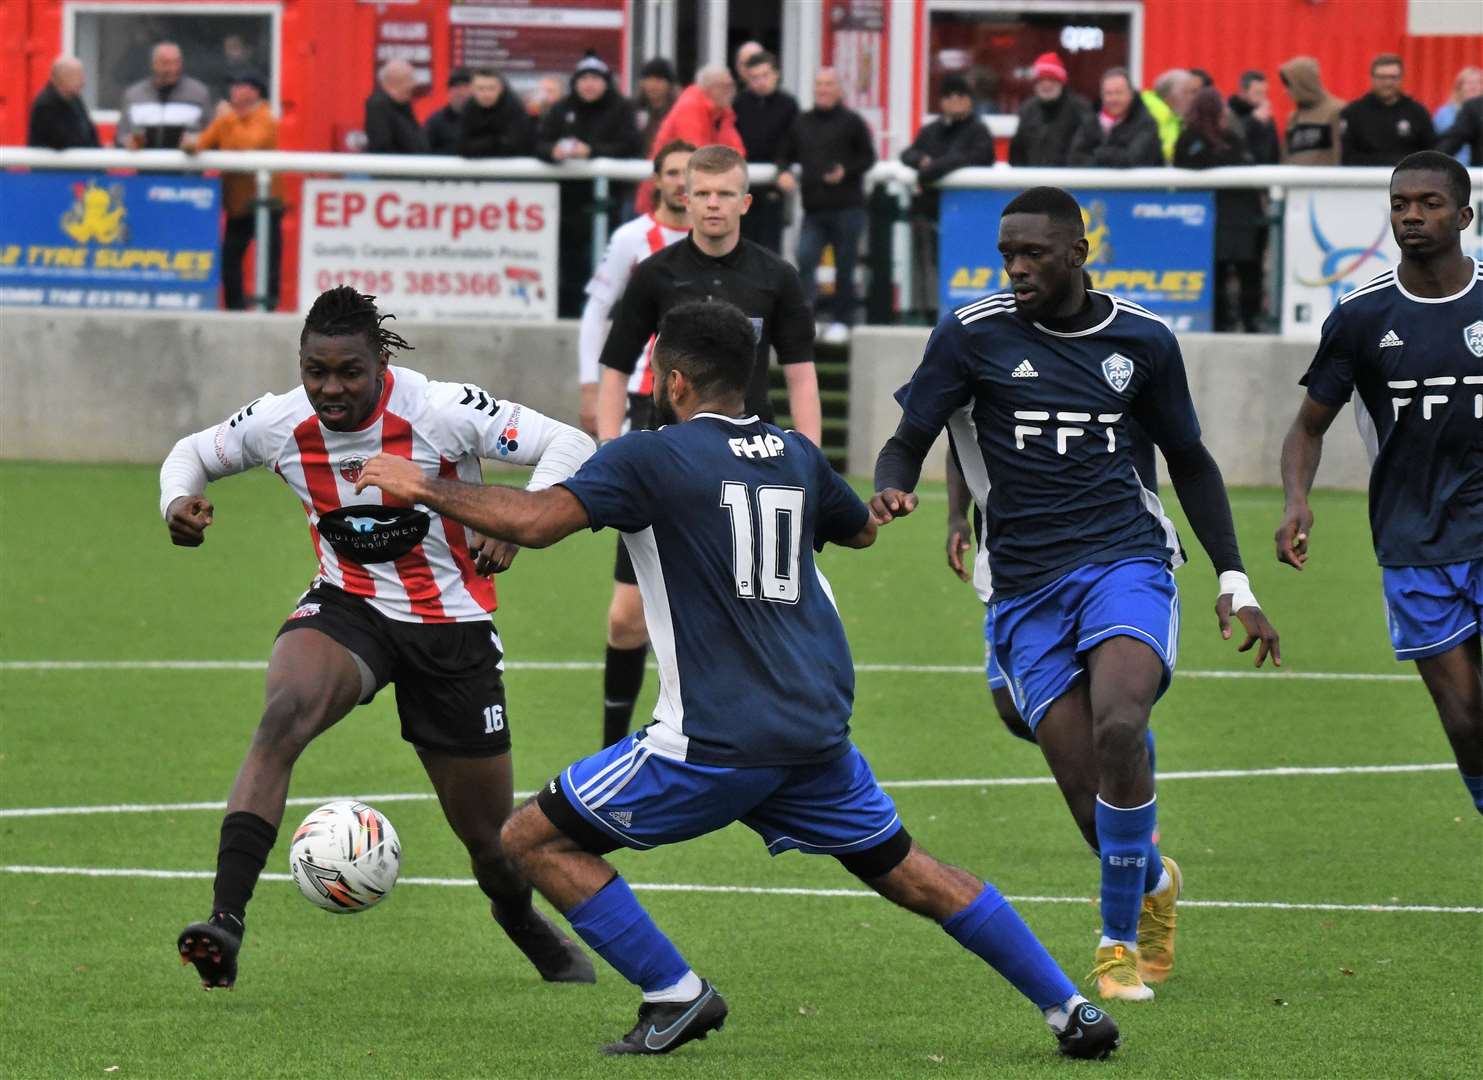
(345,857)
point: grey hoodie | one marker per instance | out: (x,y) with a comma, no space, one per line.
(163,117)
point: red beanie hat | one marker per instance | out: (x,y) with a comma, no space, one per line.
(1049,66)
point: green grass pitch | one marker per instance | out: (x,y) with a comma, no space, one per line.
(820,985)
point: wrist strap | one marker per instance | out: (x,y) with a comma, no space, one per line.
(1235,584)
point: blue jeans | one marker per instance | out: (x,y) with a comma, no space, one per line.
(841,230)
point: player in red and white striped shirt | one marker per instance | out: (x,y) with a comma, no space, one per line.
(400,597)
(630,244)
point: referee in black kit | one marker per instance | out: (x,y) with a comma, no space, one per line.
(712,263)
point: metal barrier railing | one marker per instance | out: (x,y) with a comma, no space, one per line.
(1274,179)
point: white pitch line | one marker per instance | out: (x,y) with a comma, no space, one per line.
(757,890)
(596,665)
(991,781)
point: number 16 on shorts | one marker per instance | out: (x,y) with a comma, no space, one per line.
(494,719)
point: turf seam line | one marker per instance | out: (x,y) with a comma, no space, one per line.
(596,665)
(994,781)
(758,890)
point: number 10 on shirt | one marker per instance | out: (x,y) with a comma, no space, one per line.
(780,515)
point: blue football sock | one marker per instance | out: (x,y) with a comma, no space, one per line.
(1126,839)
(1154,871)
(1475,787)
(992,930)
(613,924)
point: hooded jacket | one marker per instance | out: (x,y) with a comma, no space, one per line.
(699,121)
(504,129)
(607,124)
(1314,129)
(1132,142)
(1047,129)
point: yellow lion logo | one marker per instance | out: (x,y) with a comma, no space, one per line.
(1095,221)
(97,214)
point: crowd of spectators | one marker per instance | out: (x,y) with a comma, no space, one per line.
(822,153)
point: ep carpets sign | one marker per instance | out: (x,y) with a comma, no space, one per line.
(430,249)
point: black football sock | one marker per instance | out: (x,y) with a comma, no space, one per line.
(623,678)
(246,840)
(512,908)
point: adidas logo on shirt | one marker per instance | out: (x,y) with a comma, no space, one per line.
(1390,340)
(1025,371)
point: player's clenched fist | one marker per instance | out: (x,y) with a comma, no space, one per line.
(187,518)
(888,505)
(1292,537)
(397,477)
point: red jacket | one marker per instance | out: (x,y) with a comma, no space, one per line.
(696,119)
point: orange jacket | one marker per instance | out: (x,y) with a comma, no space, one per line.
(255,131)
(700,122)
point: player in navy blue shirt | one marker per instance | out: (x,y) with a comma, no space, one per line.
(722,514)
(1411,342)
(1039,385)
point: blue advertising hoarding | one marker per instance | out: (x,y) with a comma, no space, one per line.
(91,240)
(1155,248)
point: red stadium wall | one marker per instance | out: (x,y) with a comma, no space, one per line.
(1344,35)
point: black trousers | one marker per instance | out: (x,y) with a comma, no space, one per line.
(763,222)
(239,234)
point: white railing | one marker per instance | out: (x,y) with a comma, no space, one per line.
(1274,179)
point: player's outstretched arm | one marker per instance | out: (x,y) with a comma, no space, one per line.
(533,519)
(1301,452)
(1197,481)
(898,467)
(183,504)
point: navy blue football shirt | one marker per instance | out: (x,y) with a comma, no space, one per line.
(721,517)
(1048,414)
(1418,366)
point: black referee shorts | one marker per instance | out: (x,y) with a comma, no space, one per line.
(450,692)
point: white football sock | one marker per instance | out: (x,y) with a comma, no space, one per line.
(1166,882)
(1131,946)
(687,989)
(1058,1016)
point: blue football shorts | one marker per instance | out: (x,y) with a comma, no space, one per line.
(642,799)
(1039,638)
(1432,609)
(992,671)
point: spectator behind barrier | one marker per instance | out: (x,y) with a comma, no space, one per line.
(548,91)
(1211,139)
(834,149)
(1467,85)
(955,140)
(244,122)
(746,52)
(1386,124)
(1466,131)
(1122,134)
(656,96)
(1314,125)
(1253,109)
(764,116)
(444,127)
(1167,102)
(593,120)
(390,126)
(59,118)
(1050,120)
(157,112)
(702,116)
(495,123)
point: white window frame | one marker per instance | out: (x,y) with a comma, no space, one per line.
(273,9)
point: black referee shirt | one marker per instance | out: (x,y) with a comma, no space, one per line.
(765,287)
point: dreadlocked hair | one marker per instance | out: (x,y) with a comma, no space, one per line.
(343,312)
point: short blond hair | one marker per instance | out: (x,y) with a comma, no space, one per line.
(716,159)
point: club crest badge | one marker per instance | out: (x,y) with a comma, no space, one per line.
(351,466)
(1473,335)
(1118,370)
